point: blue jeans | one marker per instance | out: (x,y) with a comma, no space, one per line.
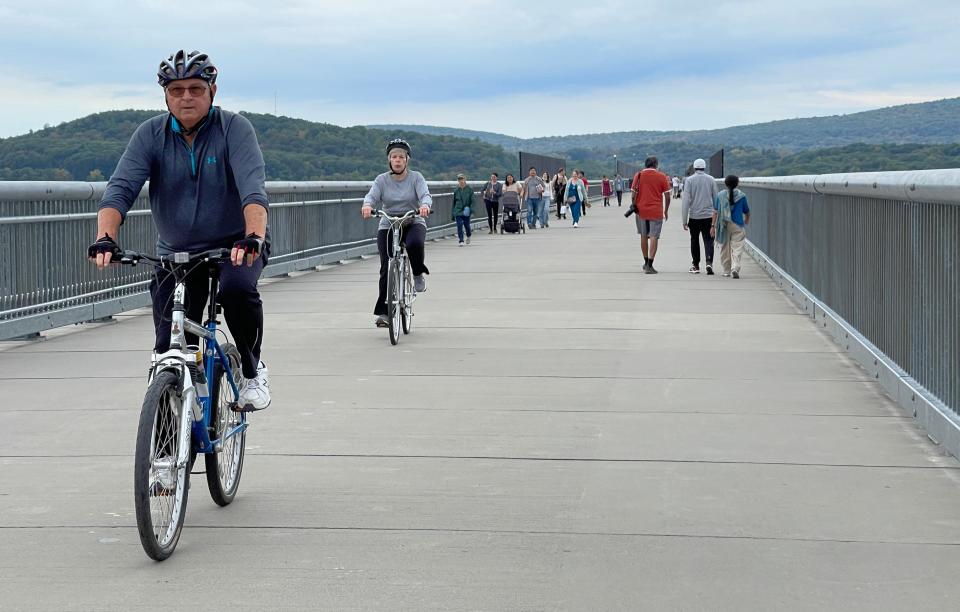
(463,222)
(533,210)
(544,212)
(575,211)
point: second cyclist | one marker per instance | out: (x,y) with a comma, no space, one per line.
(397,192)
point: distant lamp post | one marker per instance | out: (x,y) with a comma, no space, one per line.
(616,166)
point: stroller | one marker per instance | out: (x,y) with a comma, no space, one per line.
(512,221)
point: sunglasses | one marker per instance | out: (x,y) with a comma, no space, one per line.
(195,91)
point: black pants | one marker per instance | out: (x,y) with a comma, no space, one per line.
(697,227)
(493,213)
(619,198)
(413,239)
(238,294)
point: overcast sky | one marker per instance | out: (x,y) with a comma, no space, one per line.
(525,69)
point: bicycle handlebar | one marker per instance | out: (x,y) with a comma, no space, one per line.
(408,215)
(132,258)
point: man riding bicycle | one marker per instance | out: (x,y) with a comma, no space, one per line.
(207,191)
(397,192)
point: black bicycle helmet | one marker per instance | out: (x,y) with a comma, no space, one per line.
(398,143)
(183,65)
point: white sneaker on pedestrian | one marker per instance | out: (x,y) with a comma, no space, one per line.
(419,283)
(468,239)
(255,393)
(576,225)
(461,243)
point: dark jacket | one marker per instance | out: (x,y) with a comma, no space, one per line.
(462,197)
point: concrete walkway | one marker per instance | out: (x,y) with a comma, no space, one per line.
(560,432)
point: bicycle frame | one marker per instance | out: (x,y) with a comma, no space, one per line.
(180,357)
(398,254)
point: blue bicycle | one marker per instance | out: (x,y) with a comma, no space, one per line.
(189,408)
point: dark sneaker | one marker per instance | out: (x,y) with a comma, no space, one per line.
(382,321)
(419,283)
(694,270)
(709,270)
(736,274)
(651,270)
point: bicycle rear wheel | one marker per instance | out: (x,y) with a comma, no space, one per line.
(225,466)
(394,296)
(407,298)
(160,486)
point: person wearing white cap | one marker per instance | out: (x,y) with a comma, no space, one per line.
(699,191)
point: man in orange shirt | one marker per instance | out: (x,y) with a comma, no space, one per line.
(651,190)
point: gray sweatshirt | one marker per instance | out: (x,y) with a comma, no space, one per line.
(197,193)
(698,193)
(398,197)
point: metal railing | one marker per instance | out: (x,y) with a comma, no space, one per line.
(45,228)
(879,253)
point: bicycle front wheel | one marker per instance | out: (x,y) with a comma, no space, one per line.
(408,294)
(394,297)
(160,484)
(225,465)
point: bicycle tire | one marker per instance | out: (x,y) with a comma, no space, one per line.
(393,301)
(225,466)
(160,512)
(408,293)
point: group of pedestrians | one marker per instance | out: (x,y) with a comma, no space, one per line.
(708,213)
(539,192)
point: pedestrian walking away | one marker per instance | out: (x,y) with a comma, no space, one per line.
(398,192)
(651,191)
(697,214)
(618,188)
(491,199)
(559,185)
(462,208)
(221,203)
(575,197)
(533,188)
(606,189)
(731,216)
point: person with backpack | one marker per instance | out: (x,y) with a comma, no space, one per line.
(730,219)
(651,189)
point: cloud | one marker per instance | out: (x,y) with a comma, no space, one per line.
(530,69)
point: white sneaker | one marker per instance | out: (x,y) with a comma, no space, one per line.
(255,393)
(576,225)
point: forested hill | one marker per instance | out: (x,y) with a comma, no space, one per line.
(935,122)
(294,149)
(511,143)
